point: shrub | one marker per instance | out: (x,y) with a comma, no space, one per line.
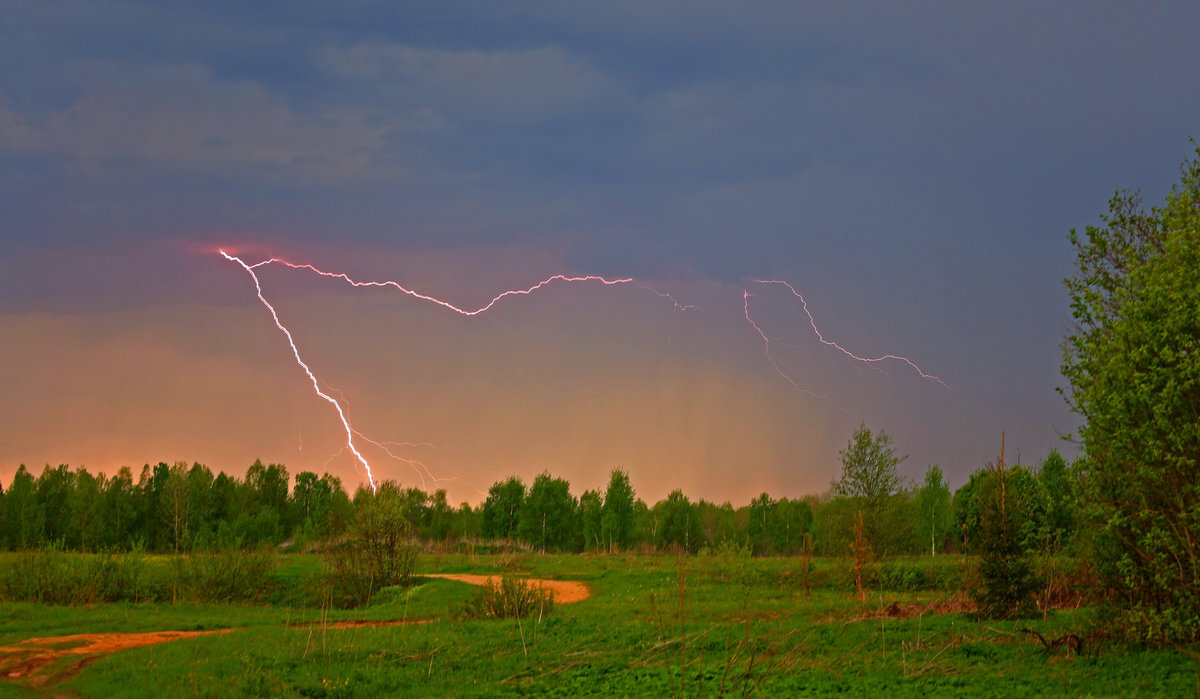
(509,598)
(378,550)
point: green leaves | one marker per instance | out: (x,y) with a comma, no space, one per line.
(1133,368)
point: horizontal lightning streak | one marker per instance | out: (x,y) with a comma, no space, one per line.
(450,306)
(350,431)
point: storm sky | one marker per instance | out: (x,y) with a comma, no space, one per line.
(911,168)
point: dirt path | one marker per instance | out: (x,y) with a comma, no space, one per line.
(26,661)
(565,591)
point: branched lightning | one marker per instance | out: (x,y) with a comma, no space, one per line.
(450,306)
(420,468)
(767,349)
(830,343)
(311,377)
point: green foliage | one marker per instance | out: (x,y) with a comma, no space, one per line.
(377,551)
(678,524)
(870,479)
(502,509)
(1133,367)
(869,467)
(590,515)
(1058,499)
(231,575)
(934,507)
(509,598)
(752,635)
(547,520)
(617,517)
(1006,580)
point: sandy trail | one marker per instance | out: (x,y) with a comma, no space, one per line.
(565,591)
(24,661)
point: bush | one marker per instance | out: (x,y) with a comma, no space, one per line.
(378,551)
(51,576)
(510,598)
(229,575)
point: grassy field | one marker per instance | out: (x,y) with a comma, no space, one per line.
(654,625)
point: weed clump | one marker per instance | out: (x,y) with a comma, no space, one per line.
(510,598)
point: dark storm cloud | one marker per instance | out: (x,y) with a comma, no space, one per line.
(914,167)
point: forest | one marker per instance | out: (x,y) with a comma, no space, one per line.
(187,508)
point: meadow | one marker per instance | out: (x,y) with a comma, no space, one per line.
(714,624)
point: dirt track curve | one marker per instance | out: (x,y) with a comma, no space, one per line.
(564,591)
(24,661)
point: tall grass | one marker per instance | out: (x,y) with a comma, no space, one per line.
(53,576)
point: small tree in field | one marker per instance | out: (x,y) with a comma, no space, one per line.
(1006,581)
(871,481)
(378,550)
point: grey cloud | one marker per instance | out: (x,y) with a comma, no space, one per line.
(183,116)
(519,85)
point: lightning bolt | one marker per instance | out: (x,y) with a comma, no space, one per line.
(351,432)
(767,349)
(311,377)
(420,468)
(830,343)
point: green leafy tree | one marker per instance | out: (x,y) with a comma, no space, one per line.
(617,519)
(119,511)
(933,504)
(87,507)
(678,524)
(1133,369)
(175,506)
(719,523)
(200,521)
(547,518)
(1058,499)
(54,488)
(23,512)
(870,479)
(502,509)
(1006,580)
(793,519)
(378,550)
(760,525)
(591,513)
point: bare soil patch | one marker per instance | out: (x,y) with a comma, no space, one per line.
(564,591)
(25,660)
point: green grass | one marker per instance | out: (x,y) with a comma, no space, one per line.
(717,625)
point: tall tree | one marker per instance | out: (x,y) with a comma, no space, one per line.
(23,511)
(870,479)
(175,505)
(617,515)
(547,518)
(793,519)
(590,515)
(87,507)
(54,488)
(1058,495)
(120,510)
(1133,367)
(933,505)
(1006,579)
(502,509)
(760,526)
(678,525)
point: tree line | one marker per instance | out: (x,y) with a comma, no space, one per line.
(182,507)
